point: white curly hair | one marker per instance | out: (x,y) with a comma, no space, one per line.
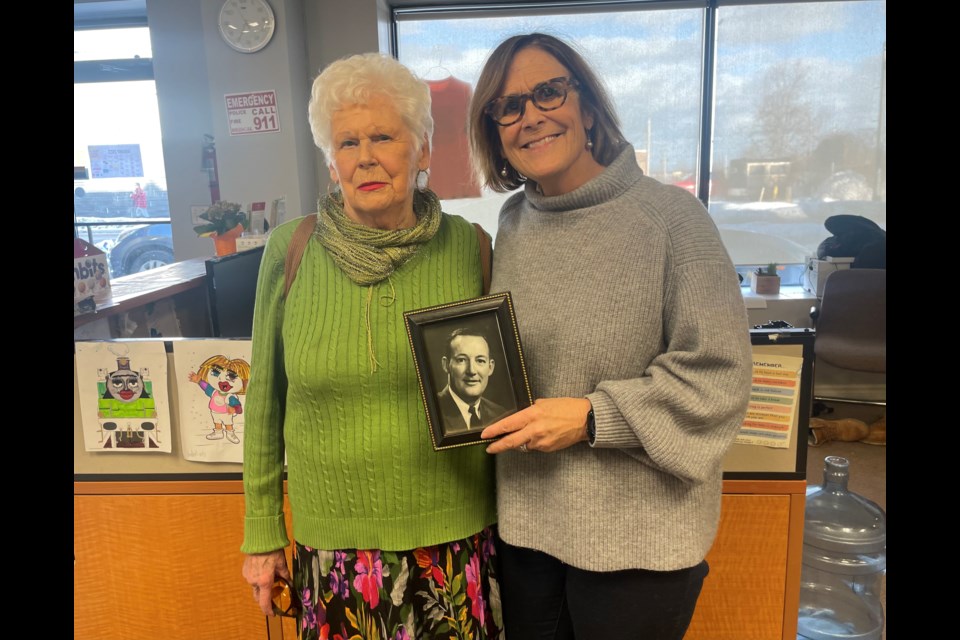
(360,79)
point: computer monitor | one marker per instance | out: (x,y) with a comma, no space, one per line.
(231,289)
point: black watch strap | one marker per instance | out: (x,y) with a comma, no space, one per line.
(591,427)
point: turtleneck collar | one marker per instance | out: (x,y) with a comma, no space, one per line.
(616,178)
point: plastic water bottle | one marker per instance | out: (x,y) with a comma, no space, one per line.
(844,559)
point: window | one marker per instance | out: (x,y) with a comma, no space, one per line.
(119,177)
(781,105)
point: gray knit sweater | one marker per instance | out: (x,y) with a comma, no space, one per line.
(624,294)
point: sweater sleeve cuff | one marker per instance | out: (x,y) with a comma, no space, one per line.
(264,534)
(612,431)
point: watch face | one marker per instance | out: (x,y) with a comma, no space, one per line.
(246,25)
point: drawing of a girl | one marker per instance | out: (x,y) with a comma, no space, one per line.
(223,380)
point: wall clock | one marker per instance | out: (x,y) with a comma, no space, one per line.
(246,25)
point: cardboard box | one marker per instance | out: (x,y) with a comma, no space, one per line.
(91,277)
(817,271)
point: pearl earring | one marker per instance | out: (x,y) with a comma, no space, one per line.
(423,179)
(503,171)
(589,143)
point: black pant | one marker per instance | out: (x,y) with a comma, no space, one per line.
(545,599)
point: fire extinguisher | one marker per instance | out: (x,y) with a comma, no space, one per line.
(209,164)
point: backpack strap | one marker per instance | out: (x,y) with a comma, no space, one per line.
(486,256)
(298,243)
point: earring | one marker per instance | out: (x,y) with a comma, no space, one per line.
(589,142)
(503,171)
(423,177)
(332,188)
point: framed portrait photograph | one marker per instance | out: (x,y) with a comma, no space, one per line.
(470,367)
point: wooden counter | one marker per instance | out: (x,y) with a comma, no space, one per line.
(138,289)
(182,284)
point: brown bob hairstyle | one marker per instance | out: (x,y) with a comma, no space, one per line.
(487,152)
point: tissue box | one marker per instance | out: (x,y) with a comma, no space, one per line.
(91,279)
(249,242)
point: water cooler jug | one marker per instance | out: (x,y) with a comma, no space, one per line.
(844,559)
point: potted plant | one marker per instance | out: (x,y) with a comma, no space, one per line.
(225,221)
(765,280)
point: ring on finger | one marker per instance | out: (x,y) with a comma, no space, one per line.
(523,448)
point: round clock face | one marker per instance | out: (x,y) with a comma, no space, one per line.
(246,25)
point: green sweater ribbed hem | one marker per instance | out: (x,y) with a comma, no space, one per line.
(392,534)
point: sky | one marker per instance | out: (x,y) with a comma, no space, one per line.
(115,113)
(652,63)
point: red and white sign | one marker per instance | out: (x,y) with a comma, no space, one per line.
(252,112)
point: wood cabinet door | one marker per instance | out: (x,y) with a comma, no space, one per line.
(745,594)
(162,567)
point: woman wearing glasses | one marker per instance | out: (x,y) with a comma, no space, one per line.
(637,343)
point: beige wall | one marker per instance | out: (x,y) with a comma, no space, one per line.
(194,69)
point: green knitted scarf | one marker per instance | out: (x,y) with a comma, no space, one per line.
(369,255)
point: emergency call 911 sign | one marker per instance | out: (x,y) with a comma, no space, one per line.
(252,112)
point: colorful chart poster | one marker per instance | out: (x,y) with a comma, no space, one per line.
(115,161)
(774,401)
(212,377)
(124,399)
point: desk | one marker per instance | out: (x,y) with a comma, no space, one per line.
(792,304)
(180,283)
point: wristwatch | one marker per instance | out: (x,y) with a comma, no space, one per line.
(591,427)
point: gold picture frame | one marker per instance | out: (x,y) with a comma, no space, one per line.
(455,372)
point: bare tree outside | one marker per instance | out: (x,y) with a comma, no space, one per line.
(786,125)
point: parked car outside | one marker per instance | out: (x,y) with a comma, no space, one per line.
(690,184)
(110,198)
(141,248)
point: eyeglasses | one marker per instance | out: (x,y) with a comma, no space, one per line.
(286,602)
(548,96)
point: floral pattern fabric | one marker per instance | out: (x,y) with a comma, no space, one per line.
(447,591)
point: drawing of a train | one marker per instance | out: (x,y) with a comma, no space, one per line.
(126,410)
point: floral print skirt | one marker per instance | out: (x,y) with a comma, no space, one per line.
(446,591)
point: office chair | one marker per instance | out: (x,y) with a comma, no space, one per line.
(851,325)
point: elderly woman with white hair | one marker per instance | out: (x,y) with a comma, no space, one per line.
(390,538)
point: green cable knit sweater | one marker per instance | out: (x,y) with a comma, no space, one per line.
(362,472)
